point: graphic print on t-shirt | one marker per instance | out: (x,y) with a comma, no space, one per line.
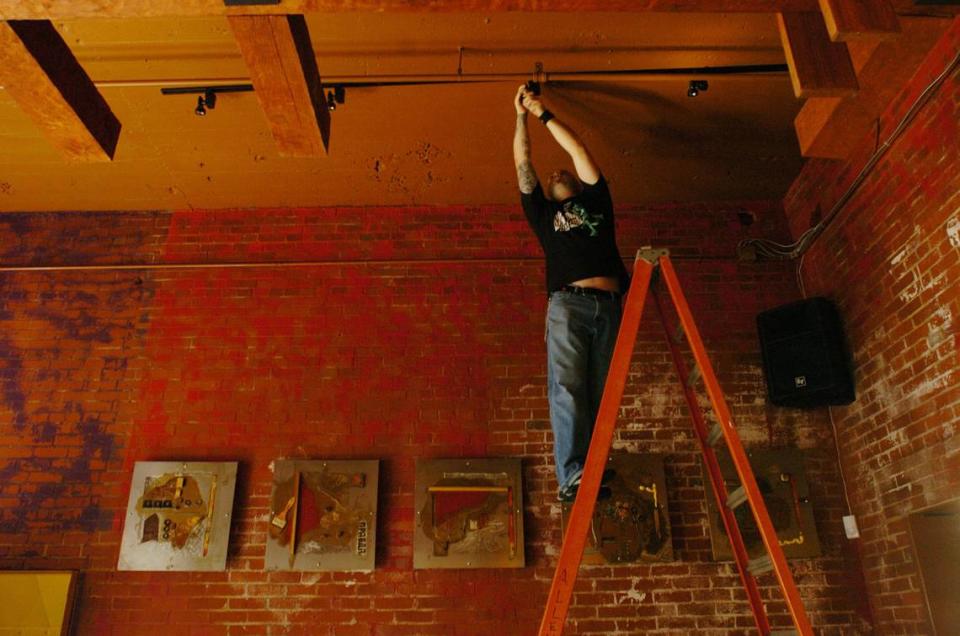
(574,215)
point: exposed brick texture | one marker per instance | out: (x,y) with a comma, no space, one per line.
(371,352)
(892,262)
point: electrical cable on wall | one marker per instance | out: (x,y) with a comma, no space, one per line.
(780,251)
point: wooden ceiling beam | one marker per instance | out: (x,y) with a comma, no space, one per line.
(283,70)
(818,66)
(831,128)
(853,19)
(42,75)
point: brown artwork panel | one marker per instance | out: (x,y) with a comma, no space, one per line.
(469,514)
(323,515)
(633,524)
(782,480)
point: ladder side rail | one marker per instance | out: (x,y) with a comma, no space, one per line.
(741,558)
(581,515)
(737,453)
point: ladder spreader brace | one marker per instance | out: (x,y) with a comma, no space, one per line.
(648,263)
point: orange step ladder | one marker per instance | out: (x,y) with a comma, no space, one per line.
(651,264)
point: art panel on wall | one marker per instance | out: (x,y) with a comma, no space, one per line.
(782,480)
(634,523)
(178,516)
(469,514)
(323,515)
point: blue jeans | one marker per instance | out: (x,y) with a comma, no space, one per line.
(581,334)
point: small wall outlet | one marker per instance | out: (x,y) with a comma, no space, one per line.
(850,527)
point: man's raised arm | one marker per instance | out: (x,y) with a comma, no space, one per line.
(586,167)
(526,176)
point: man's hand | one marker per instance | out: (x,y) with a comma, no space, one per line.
(532,102)
(526,102)
(518,100)
(586,167)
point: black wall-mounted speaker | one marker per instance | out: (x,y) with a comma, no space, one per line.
(805,358)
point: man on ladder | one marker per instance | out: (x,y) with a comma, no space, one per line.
(572,218)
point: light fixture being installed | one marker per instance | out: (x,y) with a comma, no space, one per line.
(696,86)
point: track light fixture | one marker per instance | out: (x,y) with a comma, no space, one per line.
(205,101)
(208,97)
(337,96)
(696,86)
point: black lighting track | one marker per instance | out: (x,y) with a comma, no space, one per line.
(242,3)
(227,88)
(746,69)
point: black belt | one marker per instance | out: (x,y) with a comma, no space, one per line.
(590,291)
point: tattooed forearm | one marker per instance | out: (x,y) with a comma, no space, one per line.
(521,138)
(526,176)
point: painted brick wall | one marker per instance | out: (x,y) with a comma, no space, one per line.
(416,333)
(892,262)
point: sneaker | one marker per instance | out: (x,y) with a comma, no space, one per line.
(569,494)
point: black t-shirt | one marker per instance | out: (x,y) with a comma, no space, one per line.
(577,235)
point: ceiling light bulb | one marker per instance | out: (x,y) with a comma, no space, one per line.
(696,86)
(201,108)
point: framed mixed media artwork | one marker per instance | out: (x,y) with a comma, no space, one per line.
(782,480)
(469,514)
(634,523)
(178,516)
(323,515)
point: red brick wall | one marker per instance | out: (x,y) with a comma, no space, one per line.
(892,262)
(417,333)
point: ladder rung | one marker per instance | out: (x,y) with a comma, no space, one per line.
(715,434)
(678,333)
(693,375)
(784,632)
(761,565)
(736,498)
